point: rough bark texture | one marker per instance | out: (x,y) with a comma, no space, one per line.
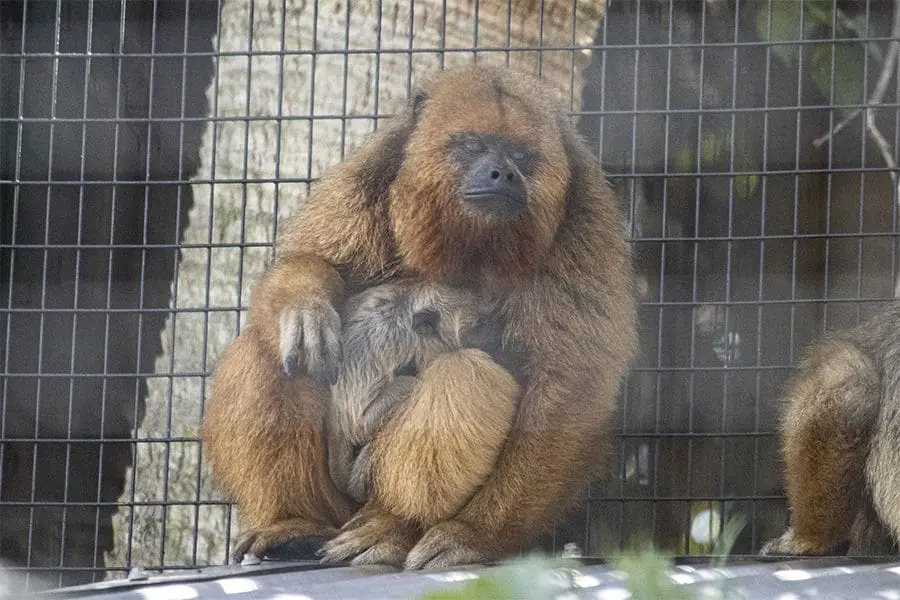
(293,150)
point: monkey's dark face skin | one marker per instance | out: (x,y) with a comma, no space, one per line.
(495,173)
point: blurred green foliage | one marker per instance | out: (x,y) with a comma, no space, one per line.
(836,63)
(645,575)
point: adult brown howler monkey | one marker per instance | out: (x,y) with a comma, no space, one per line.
(391,334)
(482,182)
(840,443)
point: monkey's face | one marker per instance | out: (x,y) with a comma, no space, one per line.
(493,171)
(482,188)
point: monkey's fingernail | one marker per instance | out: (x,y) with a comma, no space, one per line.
(288,369)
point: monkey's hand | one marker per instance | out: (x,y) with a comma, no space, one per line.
(450,544)
(371,537)
(294,305)
(380,408)
(310,336)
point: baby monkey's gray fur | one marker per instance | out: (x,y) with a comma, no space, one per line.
(389,334)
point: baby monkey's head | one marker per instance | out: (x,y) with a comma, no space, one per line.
(400,327)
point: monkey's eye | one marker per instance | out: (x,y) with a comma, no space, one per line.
(474,145)
(517,155)
(426,322)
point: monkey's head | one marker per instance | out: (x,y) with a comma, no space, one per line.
(394,327)
(482,187)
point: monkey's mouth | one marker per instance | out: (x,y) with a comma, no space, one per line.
(495,204)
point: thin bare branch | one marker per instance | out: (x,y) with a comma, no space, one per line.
(877,97)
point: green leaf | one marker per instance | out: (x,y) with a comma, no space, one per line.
(477,589)
(725,541)
(648,577)
(746,185)
(820,11)
(531,578)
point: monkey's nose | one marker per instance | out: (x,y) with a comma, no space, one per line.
(496,187)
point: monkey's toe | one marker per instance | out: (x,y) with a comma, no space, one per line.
(448,544)
(790,544)
(388,552)
(294,539)
(371,537)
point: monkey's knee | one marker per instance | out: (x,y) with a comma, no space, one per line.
(444,441)
(263,435)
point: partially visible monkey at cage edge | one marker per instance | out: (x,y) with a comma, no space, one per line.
(391,333)
(481,181)
(840,443)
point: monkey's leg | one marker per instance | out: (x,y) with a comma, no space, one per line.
(882,519)
(443,443)
(263,437)
(559,440)
(868,536)
(832,405)
(432,454)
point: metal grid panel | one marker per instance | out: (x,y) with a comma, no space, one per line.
(148,150)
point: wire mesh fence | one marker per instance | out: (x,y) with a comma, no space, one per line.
(149,149)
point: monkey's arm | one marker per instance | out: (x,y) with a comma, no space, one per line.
(380,409)
(339,237)
(560,435)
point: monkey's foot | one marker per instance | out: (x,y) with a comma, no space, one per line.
(789,545)
(449,544)
(294,539)
(371,538)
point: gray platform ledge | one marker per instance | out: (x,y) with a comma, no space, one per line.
(748,578)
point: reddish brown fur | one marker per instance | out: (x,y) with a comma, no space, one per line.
(282,429)
(454,424)
(564,278)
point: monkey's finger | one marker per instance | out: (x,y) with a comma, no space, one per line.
(342,548)
(243,548)
(322,327)
(382,553)
(442,556)
(455,557)
(291,341)
(420,555)
(332,349)
(444,545)
(313,346)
